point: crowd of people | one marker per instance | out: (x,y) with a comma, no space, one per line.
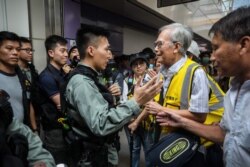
(72,111)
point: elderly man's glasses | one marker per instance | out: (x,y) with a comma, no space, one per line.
(159,44)
(28,50)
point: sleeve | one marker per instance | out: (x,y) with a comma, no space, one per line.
(36,152)
(48,84)
(200,92)
(93,108)
(228,116)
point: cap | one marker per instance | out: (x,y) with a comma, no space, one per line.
(194,49)
(137,56)
(149,52)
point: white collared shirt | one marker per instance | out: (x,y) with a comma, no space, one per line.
(236,123)
(200,86)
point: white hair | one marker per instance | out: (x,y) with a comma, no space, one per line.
(179,33)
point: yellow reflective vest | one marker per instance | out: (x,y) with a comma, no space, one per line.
(179,92)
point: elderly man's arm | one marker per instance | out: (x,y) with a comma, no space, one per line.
(153,108)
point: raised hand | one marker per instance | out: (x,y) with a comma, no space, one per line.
(145,93)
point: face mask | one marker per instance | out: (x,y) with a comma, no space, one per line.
(205,60)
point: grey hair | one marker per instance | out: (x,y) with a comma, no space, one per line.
(179,33)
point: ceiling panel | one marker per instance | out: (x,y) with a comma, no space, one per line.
(199,15)
(209,9)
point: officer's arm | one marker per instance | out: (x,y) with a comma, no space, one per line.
(95,111)
(36,152)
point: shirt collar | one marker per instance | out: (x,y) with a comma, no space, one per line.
(174,68)
(235,83)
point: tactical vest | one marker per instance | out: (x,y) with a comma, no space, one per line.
(75,119)
(179,93)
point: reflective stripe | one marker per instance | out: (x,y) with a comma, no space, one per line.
(216,106)
(218,94)
(185,92)
(186,88)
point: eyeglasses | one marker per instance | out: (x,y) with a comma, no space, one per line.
(4,97)
(28,50)
(159,44)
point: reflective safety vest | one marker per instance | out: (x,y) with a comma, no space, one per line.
(179,93)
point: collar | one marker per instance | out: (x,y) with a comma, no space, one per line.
(174,68)
(235,83)
(55,70)
(88,67)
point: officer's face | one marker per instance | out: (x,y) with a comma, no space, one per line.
(9,51)
(226,57)
(101,53)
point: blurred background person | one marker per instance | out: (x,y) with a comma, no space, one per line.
(139,130)
(74,56)
(30,76)
(193,52)
(150,55)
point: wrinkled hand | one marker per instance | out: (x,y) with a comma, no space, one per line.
(133,126)
(148,91)
(166,118)
(153,107)
(115,89)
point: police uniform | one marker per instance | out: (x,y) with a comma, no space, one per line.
(86,99)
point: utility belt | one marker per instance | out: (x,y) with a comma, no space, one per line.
(92,152)
(71,136)
(80,129)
